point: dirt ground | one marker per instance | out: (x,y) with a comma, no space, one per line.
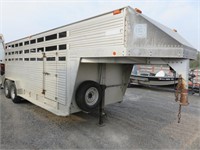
(146,119)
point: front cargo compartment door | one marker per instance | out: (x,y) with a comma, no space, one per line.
(50,75)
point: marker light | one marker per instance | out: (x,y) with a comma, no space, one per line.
(116,12)
(138,10)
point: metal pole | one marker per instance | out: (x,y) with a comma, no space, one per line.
(100,113)
(103,87)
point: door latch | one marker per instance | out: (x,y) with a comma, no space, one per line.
(46,73)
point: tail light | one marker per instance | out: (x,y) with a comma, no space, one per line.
(2,69)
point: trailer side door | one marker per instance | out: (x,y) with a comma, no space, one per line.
(50,75)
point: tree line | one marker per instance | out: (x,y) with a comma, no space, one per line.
(195,63)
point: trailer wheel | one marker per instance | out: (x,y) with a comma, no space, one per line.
(7,88)
(88,95)
(13,93)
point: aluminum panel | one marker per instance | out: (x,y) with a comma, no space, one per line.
(148,38)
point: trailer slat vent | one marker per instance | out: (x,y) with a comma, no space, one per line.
(26,43)
(41,49)
(51,48)
(32,59)
(26,51)
(21,44)
(33,41)
(40,39)
(51,58)
(39,59)
(33,50)
(51,37)
(62,34)
(62,47)
(62,58)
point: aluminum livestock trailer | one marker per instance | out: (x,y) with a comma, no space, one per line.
(75,67)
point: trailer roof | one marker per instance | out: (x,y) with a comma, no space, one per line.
(67,25)
(165,29)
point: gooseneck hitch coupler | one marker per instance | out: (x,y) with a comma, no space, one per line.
(181,95)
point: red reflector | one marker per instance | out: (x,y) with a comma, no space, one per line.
(116,12)
(114,53)
(138,10)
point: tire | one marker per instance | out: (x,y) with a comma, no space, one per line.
(13,94)
(7,88)
(88,96)
(129,85)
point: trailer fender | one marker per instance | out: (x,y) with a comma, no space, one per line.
(17,85)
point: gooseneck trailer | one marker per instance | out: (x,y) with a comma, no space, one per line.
(75,67)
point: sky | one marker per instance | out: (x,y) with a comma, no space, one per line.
(22,18)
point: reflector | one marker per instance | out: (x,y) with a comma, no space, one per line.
(116,12)
(138,10)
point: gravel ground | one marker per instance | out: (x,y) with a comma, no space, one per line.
(146,119)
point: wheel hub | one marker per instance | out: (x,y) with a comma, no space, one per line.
(91,96)
(12,92)
(6,90)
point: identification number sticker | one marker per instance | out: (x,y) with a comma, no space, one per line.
(140,31)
